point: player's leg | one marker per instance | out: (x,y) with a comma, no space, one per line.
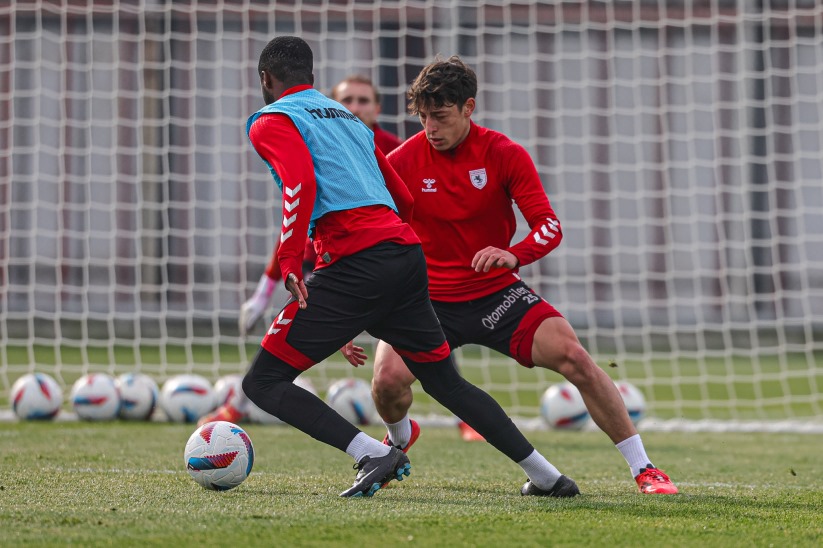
(237,408)
(442,382)
(270,385)
(392,395)
(391,384)
(298,339)
(414,331)
(556,347)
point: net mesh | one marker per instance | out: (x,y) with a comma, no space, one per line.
(679,143)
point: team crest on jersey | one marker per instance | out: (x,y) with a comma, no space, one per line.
(478,177)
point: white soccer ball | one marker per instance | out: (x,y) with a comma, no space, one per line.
(562,407)
(95,397)
(138,394)
(186,398)
(352,399)
(219,455)
(634,400)
(229,390)
(261,417)
(36,396)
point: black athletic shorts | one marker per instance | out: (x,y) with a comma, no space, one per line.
(383,290)
(504,321)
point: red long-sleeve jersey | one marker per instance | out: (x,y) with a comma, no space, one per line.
(384,140)
(463,202)
(339,233)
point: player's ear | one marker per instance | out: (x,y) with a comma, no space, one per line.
(266,79)
(468,107)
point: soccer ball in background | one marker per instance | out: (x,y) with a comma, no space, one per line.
(562,407)
(219,455)
(352,399)
(36,396)
(138,395)
(228,390)
(95,397)
(186,398)
(261,417)
(634,400)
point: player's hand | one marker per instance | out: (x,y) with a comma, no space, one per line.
(355,355)
(253,309)
(298,290)
(493,257)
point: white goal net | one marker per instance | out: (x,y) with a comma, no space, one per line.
(680,143)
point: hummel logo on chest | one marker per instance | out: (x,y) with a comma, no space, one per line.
(428,185)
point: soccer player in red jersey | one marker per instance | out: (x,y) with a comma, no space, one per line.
(464,178)
(370,276)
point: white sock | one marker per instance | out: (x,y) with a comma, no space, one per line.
(399,432)
(541,472)
(635,454)
(366,446)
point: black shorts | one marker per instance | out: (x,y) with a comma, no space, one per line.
(383,290)
(504,321)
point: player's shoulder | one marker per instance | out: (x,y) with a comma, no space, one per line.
(492,137)
(409,150)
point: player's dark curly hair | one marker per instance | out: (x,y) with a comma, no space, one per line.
(442,83)
(289,59)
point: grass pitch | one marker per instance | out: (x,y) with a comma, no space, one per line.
(124,484)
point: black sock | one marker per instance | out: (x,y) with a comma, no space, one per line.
(269,384)
(471,404)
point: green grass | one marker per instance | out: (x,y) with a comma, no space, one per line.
(124,484)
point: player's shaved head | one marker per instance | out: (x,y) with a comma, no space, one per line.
(289,59)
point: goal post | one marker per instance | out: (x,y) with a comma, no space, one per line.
(680,143)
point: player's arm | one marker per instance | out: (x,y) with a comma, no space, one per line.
(396,187)
(526,189)
(277,140)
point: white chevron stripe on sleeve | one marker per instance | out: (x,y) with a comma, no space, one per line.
(291,205)
(292,191)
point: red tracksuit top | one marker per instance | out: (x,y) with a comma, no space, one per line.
(463,202)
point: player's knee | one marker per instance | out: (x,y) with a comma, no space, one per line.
(262,388)
(390,382)
(576,365)
(252,388)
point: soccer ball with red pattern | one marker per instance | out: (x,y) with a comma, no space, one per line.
(352,399)
(219,455)
(95,397)
(138,395)
(36,396)
(229,390)
(186,398)
(562,407)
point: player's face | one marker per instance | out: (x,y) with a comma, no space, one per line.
(359,99)
(446,126)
